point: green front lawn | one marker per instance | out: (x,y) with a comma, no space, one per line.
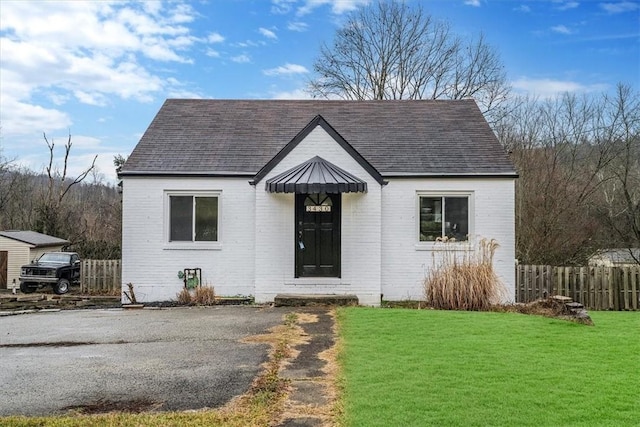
(447,368)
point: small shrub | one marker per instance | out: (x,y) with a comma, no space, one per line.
(184,297)
(204,295)
(463,281)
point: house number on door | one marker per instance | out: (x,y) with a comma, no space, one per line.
(321,208)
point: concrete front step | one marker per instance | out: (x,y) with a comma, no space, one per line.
(299,300)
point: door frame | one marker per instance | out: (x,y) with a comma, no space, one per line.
(336,199)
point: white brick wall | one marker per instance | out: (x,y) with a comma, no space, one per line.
(256,255)
(150,263)
(405,264)
(361,223)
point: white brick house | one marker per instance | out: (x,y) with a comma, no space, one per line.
(311,197)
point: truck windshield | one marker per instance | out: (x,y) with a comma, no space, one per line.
(56,258)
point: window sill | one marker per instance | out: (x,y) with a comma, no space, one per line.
(441,247)
(192,246)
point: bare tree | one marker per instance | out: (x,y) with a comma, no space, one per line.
(579,186)
(82,209)
(621,181)
(389,50)
(7,180)
(57,188)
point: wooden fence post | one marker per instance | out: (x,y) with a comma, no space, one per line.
(101,276)
(597,288)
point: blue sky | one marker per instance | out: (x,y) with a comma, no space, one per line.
(101,69)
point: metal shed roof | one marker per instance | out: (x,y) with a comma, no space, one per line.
(33,238)
(316,175)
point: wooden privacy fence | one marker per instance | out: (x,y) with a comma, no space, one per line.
(598,288)
(102,276)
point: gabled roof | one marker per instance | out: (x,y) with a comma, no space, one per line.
(318,121)
(239,137)
(316,175)
(33,238)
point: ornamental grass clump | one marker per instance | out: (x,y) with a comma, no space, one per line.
(463,280)
(204,295)
(201,295)
(184,297)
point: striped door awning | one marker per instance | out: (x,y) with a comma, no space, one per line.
(316,175)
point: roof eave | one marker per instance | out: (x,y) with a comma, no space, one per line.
(196,174)
(510,175)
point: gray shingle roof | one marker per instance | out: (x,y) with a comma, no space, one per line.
(431,137)
(33,238)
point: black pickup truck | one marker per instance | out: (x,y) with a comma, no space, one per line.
(57,269)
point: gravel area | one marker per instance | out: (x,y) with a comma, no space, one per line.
(163,359)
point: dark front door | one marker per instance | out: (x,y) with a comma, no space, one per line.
(318,235)
(4,261)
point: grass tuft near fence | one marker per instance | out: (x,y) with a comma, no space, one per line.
(463,280)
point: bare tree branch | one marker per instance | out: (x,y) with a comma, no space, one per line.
(389,50)
(58,186)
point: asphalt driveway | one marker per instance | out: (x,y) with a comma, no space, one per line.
(168,359)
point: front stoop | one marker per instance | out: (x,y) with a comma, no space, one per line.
(300,300)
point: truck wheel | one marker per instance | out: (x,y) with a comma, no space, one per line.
(26,289)
(62,287)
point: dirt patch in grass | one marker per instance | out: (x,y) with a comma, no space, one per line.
(548,307)
(544,307)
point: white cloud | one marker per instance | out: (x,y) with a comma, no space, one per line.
(620,7)
(178,93)
(241,59)
(338,7)
(550,88)
(90,98)
(58,98)
(561,29)
(474,3)
(53,52)
(267,33)
(293,94)
(79,142)
(212,53)
(567,5)
(297,26)
(215,38)
(523,8)
(21,117)
(282,7)
(249,43)
(287,69)
(179,90)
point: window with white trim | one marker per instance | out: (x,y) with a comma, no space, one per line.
(193,218)
(444,216)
